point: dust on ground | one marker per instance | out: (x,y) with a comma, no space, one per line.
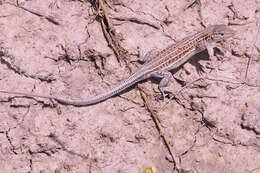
(67,48)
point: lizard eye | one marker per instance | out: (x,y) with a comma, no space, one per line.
(222,34)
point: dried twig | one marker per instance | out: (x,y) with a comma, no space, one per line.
(109,32)
(158,126)
(249,56)
(138,21)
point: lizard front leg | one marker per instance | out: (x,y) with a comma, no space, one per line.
(210,48)
(165,79)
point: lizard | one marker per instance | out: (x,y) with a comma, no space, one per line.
(156,64)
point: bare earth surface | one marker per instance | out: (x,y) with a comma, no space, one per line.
(62,48)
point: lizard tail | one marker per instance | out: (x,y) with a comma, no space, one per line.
(134,78)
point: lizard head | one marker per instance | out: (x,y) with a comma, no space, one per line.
(220,32)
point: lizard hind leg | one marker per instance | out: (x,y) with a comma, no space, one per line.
(165,79)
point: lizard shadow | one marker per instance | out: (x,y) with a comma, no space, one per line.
(194,60)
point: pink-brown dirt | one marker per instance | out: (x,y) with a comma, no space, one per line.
(211,125)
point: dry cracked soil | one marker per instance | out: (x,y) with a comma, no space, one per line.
(81,48)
